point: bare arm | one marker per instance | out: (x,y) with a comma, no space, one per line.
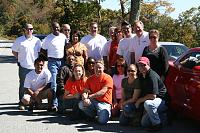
(15,54)
(135,97)
(99,93)
(85,56)
(105,59)
(67,95)
(146,97)
(114,94)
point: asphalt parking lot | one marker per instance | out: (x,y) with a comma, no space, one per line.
(14,121)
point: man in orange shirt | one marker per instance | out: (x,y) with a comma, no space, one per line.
(97,95)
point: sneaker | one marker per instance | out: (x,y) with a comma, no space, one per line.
(21,107)
(30,109)
(54,109)
(155,128)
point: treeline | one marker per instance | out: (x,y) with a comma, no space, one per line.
(15,13)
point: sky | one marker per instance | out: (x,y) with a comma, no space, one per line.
(179,5)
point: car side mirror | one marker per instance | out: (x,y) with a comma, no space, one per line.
(196,69)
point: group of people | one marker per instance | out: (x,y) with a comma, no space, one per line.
(94,77)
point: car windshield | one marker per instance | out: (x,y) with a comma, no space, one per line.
(41,37)
(175,50)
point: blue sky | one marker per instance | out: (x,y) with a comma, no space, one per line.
(179,5)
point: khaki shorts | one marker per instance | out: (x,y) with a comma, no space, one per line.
(42,95)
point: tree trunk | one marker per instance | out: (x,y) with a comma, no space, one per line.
(122,8)
(135,10)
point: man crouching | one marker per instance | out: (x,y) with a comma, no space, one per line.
(37,86)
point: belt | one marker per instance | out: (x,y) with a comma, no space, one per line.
(58,59)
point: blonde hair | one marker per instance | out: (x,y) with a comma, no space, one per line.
(155,32)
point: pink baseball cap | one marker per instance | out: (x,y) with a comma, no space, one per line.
(144,60)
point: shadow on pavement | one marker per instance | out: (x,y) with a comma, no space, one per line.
(43,116)
(84,126)
(7,59)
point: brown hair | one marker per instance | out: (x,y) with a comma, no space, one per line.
(121,60)
(77,65)
(138,21)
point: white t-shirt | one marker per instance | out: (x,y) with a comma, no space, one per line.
(117,80)
(94,45)
(34,81)
(54,45)
(123,49)
(138,44)
(27,50)
(106,48)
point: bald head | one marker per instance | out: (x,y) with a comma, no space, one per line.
(66,30)
(55,28)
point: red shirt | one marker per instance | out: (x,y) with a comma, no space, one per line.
(113,53)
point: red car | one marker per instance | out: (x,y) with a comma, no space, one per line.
(183,84)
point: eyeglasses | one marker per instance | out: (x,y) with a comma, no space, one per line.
(120,65)
(29,29)
(153,37)
(131,71)
(67,30)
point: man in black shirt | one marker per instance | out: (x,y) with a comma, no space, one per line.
(153,94)
(63,75)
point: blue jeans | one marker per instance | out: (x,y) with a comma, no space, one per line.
(127,114)
(155,112)
(54,65)
(22,75)
(101,109)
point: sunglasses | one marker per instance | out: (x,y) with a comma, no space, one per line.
(131,71)
(153,37)
(29,29)
(120,65)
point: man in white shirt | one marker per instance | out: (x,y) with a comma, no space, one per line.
(54,44)
(25,49)
(94,42)
(123,48)
(66,31)
(37,85)
(106,48)
(138,42)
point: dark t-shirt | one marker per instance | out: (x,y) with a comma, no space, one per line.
(158,60)
(128,89)
(152,84)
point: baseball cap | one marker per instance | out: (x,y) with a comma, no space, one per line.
(144,60)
